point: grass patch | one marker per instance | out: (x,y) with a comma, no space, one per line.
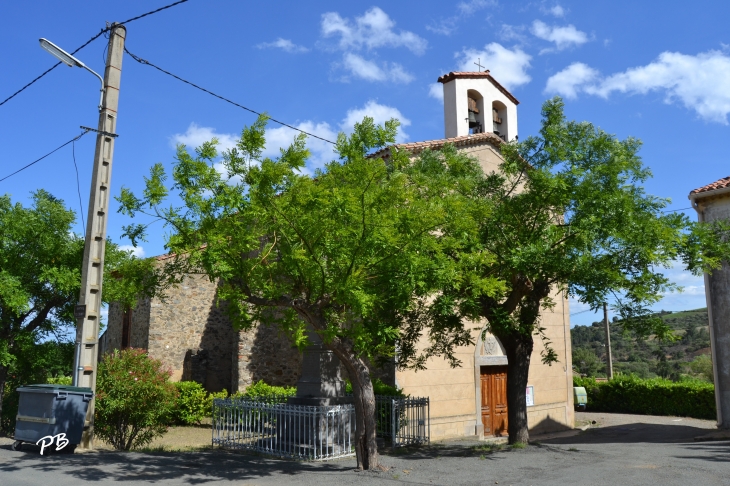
(518,445)
(573,449)
(489,448)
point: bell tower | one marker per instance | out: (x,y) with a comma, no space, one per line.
(474,102)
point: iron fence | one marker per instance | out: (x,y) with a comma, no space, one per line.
(284,430)
(403,421)
(268,426)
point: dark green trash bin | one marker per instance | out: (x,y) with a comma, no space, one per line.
(49,410)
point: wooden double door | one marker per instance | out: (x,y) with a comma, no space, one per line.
(494,400)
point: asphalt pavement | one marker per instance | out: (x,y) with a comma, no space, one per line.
(615,450)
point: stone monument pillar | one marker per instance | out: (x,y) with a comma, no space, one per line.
(321,382)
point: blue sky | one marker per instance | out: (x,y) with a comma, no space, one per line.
(658,71)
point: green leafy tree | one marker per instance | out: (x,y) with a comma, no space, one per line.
(586,362)
(702,366)
(570,217)
(346,254)
(135,402)
(40,278)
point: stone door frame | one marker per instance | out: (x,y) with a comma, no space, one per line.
(488,352)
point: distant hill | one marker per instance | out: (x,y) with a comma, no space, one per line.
(686,357)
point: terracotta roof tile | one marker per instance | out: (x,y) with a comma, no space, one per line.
(475,75)
(417,147)
(721,184)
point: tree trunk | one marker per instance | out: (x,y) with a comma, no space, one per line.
(3,380)
(366,445)
(519,349)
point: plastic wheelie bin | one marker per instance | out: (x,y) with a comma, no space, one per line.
(50,410)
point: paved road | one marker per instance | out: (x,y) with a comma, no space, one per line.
(625,450)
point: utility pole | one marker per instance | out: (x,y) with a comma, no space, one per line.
(89,309)
(609,360)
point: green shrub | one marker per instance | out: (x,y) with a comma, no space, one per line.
(192,403)
(60,380)
(268,393)
(134,400)
(380,389)
(630,394)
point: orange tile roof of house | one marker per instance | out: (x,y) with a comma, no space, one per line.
(464,141)
(723,183)
(475,75)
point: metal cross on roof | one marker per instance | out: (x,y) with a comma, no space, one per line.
(479,65)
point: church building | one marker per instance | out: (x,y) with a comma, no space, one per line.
(192,336)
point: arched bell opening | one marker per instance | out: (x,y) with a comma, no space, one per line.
(499,119)
(475,111)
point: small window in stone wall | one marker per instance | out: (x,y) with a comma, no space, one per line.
(126,328)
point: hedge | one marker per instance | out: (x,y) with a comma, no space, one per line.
(630,394)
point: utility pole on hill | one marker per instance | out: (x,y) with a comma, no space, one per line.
(92,273)
(609,360)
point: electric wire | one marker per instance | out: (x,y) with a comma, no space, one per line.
(144,61)
(103,31)
(78,185)
(49,153)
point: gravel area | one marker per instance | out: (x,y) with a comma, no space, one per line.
(617,449)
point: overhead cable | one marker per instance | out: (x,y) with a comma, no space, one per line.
(103,31)
(144,61)
(49,153)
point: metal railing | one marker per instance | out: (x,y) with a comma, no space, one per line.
(312,433)
(284,430)
(404,421)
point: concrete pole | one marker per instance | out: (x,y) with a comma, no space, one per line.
(92,273)
(609,360)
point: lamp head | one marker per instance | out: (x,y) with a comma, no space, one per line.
(60,54)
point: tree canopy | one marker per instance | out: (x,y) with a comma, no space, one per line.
(40,278)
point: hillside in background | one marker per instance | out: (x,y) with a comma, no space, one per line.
(686,358)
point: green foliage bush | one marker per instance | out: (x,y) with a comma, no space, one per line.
(192,403)
(262,391)
(630,394)
(380,389)
(134,399)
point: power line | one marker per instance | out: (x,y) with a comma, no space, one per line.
(78,185)
(49,153)
(675,210)
(144,61)
(103,31)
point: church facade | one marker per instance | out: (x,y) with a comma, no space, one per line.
(190,334)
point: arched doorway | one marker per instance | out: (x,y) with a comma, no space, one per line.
(490,372)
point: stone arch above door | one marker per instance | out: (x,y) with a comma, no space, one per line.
(489,350)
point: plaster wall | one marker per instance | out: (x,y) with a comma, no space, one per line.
(455,395)
(717,292)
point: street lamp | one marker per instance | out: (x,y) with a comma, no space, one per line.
(70,61)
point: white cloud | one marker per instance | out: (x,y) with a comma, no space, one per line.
(372,30)
(196,135)
(472,6)
(556,11)
(379,113)
(436,90)
(512,32)
(370,71)
(321,151)
(698,82)
(562,37)
(509,67)
(448,25)
(138,251)
(283,44)
(570,80)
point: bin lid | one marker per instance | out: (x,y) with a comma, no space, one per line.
(48,388)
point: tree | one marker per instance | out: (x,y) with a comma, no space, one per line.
(346,254)
(40,277)
(586,362)
(570,216)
